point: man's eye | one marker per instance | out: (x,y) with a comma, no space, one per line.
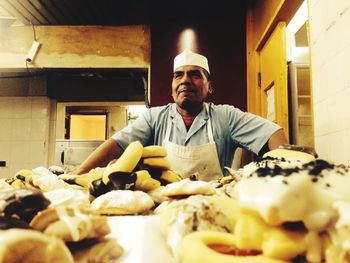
(196,76)
(177,75)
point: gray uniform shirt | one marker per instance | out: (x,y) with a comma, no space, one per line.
(231,127)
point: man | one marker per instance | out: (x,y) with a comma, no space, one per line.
(199,137)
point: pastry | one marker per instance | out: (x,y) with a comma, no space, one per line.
(169,176)
(219,247)
(9,222)
(68,197)
(103,250)
(126,162)
(187,187)
(86,180)
(291,155)
(196,213)
(154,151)
(26,246)
(70,224)
(295,211)
(23,203)
(145,182)
(122,202)
(157,162)
(46,180)
(55,169)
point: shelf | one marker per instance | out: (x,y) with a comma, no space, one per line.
(305,120)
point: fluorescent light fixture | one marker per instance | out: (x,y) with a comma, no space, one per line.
(33,51)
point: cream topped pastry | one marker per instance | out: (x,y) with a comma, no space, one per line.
(304,193)
(188,187)
(196,213)
(68,197)
(122,202)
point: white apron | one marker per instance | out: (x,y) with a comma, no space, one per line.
(188,160)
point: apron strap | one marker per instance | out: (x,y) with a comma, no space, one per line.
(210,131)
(168,128)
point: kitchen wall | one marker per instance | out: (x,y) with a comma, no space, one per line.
(330,60)
(27,114)
(220,35)
(26,117)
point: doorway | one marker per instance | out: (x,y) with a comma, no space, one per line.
(279,86)
(299,82)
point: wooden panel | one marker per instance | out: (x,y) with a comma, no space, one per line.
(262,18)
(273,67)
(263,13)
(253,89)
(76,47)
(266,15)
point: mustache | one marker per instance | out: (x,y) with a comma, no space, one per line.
(189,88)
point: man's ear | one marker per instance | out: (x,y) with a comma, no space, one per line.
(210,88)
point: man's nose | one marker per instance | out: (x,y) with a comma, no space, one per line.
(186,78)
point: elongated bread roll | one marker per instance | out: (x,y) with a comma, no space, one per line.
(157,162)
(154,151)
(126,162)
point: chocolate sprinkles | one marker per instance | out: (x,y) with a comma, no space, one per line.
(314,169)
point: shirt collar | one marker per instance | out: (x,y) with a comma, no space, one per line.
(203,114)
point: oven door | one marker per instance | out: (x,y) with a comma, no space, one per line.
(74,152)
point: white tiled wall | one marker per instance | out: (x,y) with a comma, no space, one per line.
(24,132)
(330,58)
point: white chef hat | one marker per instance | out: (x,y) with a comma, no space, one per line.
(188,57)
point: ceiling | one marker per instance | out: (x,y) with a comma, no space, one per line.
(110,12)
(76,12)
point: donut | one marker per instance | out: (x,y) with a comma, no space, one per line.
(219,247)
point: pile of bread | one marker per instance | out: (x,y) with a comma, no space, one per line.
(66,215)
(286,207)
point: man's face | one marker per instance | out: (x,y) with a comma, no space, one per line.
(190,86)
